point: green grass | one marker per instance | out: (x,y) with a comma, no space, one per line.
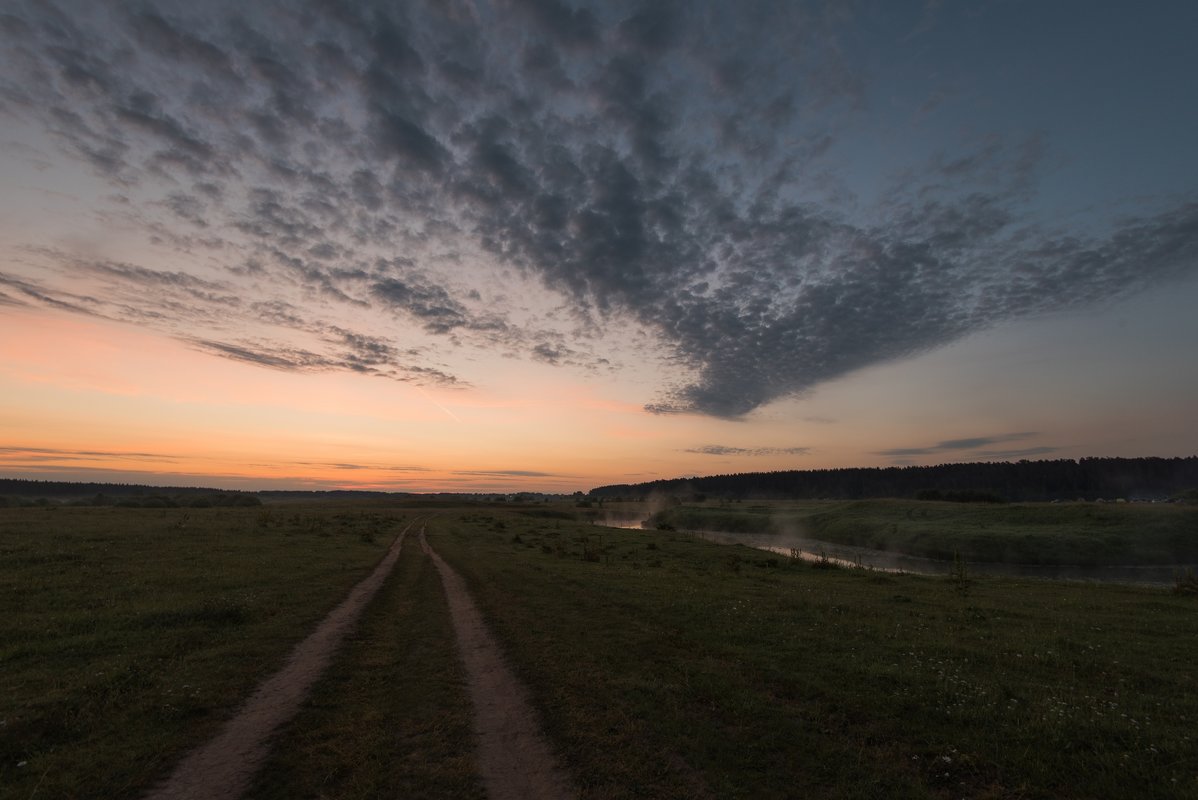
(688,669)
(663,666)
(1016,533)
(129,635)
(392,717)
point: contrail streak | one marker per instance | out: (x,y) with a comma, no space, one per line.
(438,405)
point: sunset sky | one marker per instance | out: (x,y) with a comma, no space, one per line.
(549,245)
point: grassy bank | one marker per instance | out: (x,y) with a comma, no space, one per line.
(668,667)
(1016,533)
(129,634)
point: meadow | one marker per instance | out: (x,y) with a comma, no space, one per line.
(1089,534)
(663,666)
(129,634)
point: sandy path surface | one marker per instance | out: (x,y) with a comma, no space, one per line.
(224,766)
(513,757)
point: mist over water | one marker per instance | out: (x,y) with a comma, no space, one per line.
(790,542)
(634,520)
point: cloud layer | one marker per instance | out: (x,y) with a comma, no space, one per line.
(725,450)
(975,448)
(351,187)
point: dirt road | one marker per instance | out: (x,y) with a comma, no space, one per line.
(514,758)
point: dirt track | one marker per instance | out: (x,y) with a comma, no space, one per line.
(224,766)
(513,757)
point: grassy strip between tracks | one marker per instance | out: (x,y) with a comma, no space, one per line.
(672,668)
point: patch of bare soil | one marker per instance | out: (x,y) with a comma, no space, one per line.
(223,767)
(513,756)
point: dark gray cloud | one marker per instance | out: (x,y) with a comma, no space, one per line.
(429,304)
(363,354)
(973,443)
(265,355)
(655,162)
(55,455)
(722,450)
(65,301)
(567,24)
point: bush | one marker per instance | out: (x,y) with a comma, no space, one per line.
(1185,583)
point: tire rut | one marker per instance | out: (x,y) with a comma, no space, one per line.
(514,758)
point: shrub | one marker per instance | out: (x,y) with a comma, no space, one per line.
(1185,583)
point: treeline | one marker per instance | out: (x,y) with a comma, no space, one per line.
(17,492)
(1059,479)
(315,495)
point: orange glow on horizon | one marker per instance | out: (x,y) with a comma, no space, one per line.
(89,396)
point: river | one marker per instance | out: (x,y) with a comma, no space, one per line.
(885,561)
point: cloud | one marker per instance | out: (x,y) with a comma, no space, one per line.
(722,450)
(362,354)
(429,304)
(573,27)
(53,455)
(357,467)
(974,443)
(655,166)
(79,304)
(264,355)
(507,473)
(548,353)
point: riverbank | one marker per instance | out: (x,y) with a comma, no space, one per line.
(1084,535)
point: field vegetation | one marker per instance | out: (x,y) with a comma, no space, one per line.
(130,634)
(670,667)
(662,665)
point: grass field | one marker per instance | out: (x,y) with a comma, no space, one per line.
(669,667)
(1018,533)
(663,666)
(129,634)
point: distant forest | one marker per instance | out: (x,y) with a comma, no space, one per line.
(17,492)
(69,490)
(1061,479)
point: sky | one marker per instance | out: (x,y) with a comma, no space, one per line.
(472,245)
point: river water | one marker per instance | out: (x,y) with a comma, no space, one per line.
(885,561)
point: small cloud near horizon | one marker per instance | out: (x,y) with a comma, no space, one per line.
(949,445)
(723,450)
(975,447)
